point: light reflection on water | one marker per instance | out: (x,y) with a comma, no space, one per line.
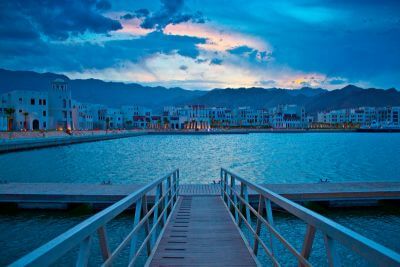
(263,158)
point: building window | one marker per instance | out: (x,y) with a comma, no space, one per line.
(64,114)
(44,102)
(20,100)
(20,111)
(64,103)
(44,113)
(44,124)
(40,101)
(32,101)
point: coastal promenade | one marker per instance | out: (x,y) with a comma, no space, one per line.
(18,144)
(63,195)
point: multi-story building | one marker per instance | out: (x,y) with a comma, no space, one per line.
(3,116)
(30,110)
(288,116)
(363,117)
(60,105)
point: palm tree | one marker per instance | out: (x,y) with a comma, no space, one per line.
(10,113)
(25,120)
(166,121)
(128,124)
(107,123)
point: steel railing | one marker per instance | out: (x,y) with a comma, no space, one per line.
(334,233)
(166,193)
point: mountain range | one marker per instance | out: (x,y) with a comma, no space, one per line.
(115,94)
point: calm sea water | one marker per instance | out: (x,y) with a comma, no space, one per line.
(263,158)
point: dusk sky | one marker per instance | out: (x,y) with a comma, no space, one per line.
(207,44)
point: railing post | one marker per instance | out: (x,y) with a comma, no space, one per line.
(233,193)
(155,215)
(103,240)
(241,202)
(171,193)
(166,200)
(177,181)
(84,251)
(226,188)
(221,175)
(308,242)
(258,226)
(229,193)
(175,186)
(146,224)
(270,220)
(331,252)
(136,219)
(246,197)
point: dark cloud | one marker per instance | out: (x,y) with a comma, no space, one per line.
(249,52)
(170,13)
(240,50)
(140,13)
(201,60)
(216,61)
(103,5)
(56,20)
(60,56)
(183,67)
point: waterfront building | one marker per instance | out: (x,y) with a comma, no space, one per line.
(85,116)
(136,116)
(60,105)
(30,110)
(3,115)
(114,118)
(220,117)
(376,117)
(288,117)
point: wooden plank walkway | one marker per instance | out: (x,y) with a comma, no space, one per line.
(201,232)
(200,190)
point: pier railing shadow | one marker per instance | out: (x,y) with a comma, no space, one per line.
(234,192)
(153,221)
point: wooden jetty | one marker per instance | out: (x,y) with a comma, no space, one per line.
(199,225)
(60,195)
(190,237)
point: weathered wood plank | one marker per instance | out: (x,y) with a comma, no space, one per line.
(201,233)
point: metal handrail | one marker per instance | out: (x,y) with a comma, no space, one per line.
(333,232)
(167,189)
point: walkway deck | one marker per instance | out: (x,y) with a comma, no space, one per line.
(106,194)
(201,232)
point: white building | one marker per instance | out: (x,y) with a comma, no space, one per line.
(3,116)
(135,116)
(113,117)
(363,116)
(288,117)
(60,105)
(30,110)
(84,116)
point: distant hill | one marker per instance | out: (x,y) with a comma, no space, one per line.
(353,96)
(115,94)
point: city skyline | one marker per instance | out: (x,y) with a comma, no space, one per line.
(203,45)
